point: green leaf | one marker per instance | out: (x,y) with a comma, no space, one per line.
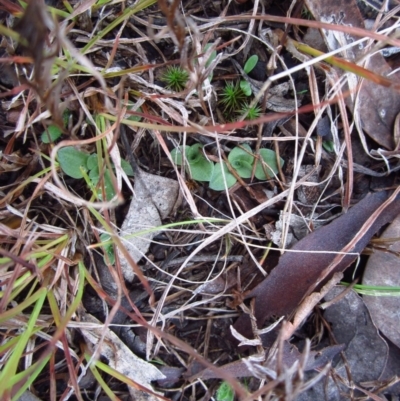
(202,170)
(127,168)
(195,154)
(65,117)
(71,160)
(329,146)
(242,161)
(244,153)
(246,88)
(217,182)
(225,392)
(250,64)
(243,169)
(212,56)
(270,165)
(94,175)
(108,185)
(51,134)
(108,248)
(199,167)
(176,154)
(91,162)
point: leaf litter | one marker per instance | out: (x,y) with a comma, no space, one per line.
(214,274)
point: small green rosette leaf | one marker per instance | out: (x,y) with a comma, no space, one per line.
(246,88)
(217,182)
(270,165)
(71,160)
(195,153)
(242,161)
(250,64)
(200,168)
(177,154)
(91,162)
(51,134)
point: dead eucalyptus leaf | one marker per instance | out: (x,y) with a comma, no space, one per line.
(303,267)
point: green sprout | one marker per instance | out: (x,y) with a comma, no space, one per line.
(51,134)
(232,97)
(248,67)
(175,78)
(251,113)
(108,247)
(225,392)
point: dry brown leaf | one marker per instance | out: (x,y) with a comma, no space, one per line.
(14,162)
(383,270)
(259,366)
(377,105)
(300,270)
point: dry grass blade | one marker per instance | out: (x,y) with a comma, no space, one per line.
(74,78)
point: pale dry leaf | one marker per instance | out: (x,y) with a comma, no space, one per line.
(383,270)
(153,200)
(122,359)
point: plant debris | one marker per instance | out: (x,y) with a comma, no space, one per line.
(185,187)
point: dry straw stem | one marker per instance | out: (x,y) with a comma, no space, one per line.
(176,109)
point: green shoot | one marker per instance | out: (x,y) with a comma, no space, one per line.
(51,134)
(225,392)
(175,78)
(251,113)
(250,64)
(232,97)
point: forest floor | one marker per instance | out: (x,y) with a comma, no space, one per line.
(199,200)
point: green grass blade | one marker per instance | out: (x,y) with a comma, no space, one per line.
(125,15)
(8,374)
